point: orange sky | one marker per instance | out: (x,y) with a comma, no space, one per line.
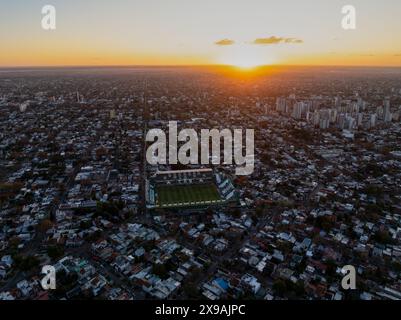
(178,32)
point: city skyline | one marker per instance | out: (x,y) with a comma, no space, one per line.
(100,33)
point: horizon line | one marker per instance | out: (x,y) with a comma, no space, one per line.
(192,66)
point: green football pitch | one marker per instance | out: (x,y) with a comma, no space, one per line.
(188,195)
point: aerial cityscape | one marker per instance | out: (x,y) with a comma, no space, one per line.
(118,180)
(76,188)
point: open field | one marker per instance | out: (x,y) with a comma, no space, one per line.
(189,195)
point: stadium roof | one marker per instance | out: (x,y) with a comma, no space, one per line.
(183,171)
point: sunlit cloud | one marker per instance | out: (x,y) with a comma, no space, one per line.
(293,40)
(225,42)
(270,40)
(276,40)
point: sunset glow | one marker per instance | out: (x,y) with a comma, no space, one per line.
(242,34)
(245,57)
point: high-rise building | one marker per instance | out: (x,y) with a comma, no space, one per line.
(316,118)
(78,97)
(359,119)
(388,117)
(349,123)
(373,120)
(280,104)
(341,121)
(360,103)
(337,102)
(309,116)
(324,123)
(333,115)
(387,111)
(298,110)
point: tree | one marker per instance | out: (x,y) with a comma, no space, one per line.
(190,290)
(331,268)
(259,211)
(383,237)
(160,271)
(55,252)
(83,225)
(45,225)
(65,282)
(26,263)
(279,287)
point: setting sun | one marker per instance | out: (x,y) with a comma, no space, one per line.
(245,57)
(247,65)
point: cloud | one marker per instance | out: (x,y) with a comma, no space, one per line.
(270,40)
(293,40)
(276,40)
(263,41)
(225,42)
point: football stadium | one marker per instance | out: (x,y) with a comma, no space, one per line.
(188,188)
